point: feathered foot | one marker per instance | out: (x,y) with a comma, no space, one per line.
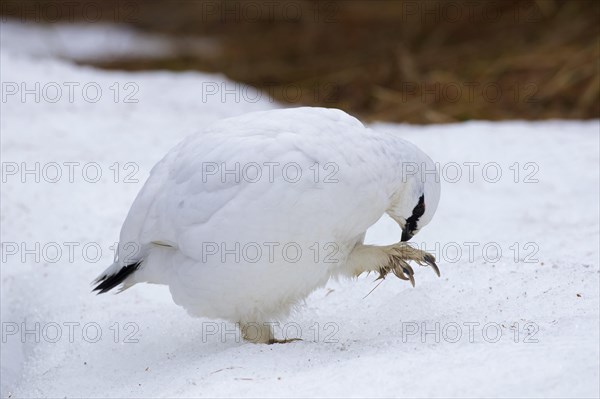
(257,332)
(262,333)
(398,256)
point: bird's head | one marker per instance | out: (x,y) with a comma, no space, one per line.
(416,203)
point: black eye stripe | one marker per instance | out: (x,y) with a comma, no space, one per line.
(418,211)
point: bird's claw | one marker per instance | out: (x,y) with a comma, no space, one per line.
(401,269)
(429,260)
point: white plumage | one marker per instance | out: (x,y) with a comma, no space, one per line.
(247,217)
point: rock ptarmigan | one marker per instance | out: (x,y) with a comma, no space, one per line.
(247,217)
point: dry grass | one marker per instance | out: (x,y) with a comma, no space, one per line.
(405,61)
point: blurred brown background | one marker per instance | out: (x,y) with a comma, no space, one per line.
(401,61)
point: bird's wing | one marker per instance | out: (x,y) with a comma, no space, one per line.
(184,202)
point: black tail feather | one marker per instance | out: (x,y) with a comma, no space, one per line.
(107,283)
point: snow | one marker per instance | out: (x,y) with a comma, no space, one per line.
(545,305)
(97,41)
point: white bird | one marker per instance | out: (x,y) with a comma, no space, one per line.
(246,218)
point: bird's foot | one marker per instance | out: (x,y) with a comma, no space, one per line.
(399,254)
(262,333)
(257,332)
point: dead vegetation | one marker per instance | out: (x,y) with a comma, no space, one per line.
(402,61)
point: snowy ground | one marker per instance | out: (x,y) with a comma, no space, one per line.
(521,323)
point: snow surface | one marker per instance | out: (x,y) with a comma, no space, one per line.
(373,346)
(97,41)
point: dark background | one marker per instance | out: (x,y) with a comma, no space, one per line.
(402,61)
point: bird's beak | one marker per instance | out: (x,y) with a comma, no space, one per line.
(406,235)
